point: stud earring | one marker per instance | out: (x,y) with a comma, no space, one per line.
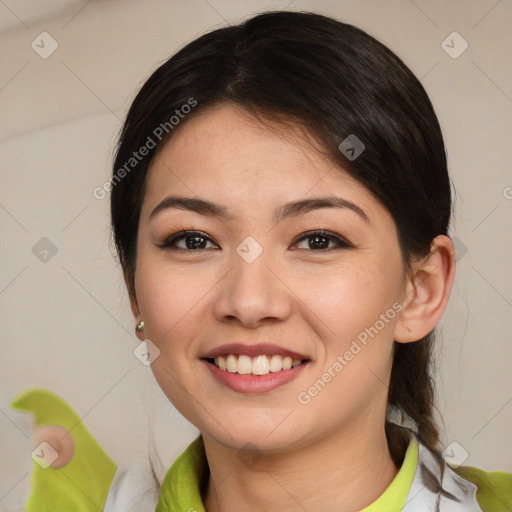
(140,326)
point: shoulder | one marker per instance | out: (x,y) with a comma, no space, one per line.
(133,489)
(494,492)
(439,484)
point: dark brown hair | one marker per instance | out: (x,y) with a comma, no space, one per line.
(334,80)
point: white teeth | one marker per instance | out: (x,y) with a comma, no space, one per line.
(221,361)
(231,363)
(244,365)
(276,363)
(259,365)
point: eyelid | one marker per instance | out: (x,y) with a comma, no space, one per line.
(340,241)
(185,233)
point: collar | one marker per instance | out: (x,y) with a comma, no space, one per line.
(431,493)
(415,488)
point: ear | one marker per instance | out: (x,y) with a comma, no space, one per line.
(427,292)
(133,305)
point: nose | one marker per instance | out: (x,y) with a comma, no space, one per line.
(253,292)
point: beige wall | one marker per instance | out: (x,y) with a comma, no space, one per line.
(66,323)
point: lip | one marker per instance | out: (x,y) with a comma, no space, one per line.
(255,384)
(252,351)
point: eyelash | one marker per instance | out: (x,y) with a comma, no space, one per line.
(168,243)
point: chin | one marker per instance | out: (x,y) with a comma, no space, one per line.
(272,436)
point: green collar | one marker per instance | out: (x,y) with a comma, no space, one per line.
(186,478)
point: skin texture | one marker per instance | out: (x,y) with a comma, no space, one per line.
(312,301)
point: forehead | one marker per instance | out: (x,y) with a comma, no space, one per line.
(228,156)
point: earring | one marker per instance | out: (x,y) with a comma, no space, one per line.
(140,326)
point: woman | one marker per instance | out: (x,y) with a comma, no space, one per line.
(286,355)
(280,206)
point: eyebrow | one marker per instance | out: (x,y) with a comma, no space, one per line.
(291,209)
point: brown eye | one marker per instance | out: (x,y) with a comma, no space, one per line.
(194,240)
(319,241)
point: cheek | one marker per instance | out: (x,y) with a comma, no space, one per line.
(351,299)
(357,319)
(169,300)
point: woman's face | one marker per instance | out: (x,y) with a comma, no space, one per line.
(258,275)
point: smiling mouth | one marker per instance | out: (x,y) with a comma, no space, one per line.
(259,365)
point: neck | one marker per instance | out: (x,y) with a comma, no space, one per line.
(353,469)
